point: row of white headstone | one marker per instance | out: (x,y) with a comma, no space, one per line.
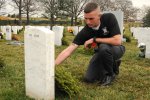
(143,36)
(15,29)
(8,30)
(58,30)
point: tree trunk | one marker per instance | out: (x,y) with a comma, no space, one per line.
(20,13)
(28,20)
(52,21)
(75,21)
(27,15)
(71,20)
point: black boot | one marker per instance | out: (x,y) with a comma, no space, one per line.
(108,80)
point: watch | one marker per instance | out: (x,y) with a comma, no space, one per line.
(94,39)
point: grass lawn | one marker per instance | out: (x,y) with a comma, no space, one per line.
(133,82)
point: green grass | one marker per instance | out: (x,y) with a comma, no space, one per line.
(133,82)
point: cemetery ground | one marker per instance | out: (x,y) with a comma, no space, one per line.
(133,82)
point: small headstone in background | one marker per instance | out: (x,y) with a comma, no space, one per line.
(14,29)
(142,35)
(76,30)
(58,30)
(119,16)
(8,33)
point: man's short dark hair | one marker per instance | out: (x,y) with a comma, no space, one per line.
(91,6)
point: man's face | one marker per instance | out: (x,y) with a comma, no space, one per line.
(92,19)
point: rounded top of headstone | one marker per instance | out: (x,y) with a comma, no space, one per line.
(38,29)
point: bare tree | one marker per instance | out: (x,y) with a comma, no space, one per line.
(29,8)
(146,18)
(2,3)
(143,11)
(126,6)
(105,5)
(51,9)
(19,6)
(74,8)
(63,7)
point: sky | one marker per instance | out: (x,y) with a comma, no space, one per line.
(140,3)
(136,3)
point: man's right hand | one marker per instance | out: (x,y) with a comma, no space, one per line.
(66,53)
(88,43)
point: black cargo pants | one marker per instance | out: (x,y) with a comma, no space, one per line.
(103,62)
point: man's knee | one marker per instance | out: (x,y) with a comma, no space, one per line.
(104,49)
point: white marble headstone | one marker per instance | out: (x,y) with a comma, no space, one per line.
(48,27)
(76,30)
(27,27)
(58,30)
(39,63)
(119,16)
(3,29)
(8,33)
(143,35)
(14,29)
(19,28)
